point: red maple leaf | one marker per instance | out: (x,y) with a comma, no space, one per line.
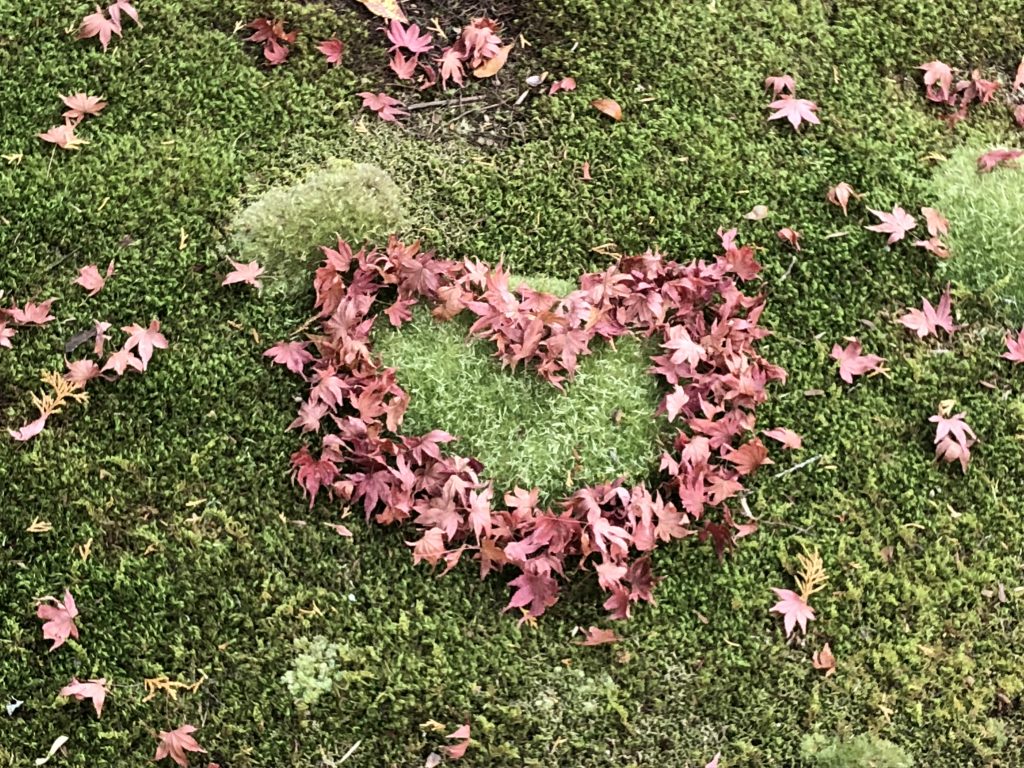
(795,110)
(928,320)
(598,636)
(895,224)
(94,690)
(994,158)
(451,65)
(80,104)
(332,50)
(794,609)
(403,68)
(1015,348)
(539,591)
(786,436)
(565,84)
(98,24)
(840,195)
(244,273)
(789,235)
(145,339)
(408,38)
(291,354)
(31,313)
(90,279)
(387,108)
(456,751)
(748,457)
(121,361)
(174,744)
(779,84)
(59,620)
(938,79)
(853,363)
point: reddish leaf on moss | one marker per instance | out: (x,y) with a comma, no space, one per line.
(174,744)
(896,224)
(63,136)
(332,50)
(598,636)
(787,437)
(59,620)
(538,591)
(291,354)
(794,609)
(840,195)
(824,660)
(388,109)
(994,158)
(565,84)
(90,279)
(94,690)
(853,363)
(80,104)
(1014,347)
(791,236)
(796,111)
(28,431)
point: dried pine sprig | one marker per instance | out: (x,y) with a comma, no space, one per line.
(63,392)
(810,576)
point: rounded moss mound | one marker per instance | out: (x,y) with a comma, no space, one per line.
(284,227)
(524,431)
(862,751)
(986,234)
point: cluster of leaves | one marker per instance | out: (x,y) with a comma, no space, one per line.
(787,105)
(58,617)
(715,379)
(135,354)
(959,91)
(953,436)
(275,41)
(79,106)
(478,47)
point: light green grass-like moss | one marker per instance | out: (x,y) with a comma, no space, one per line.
(525,431)
(986,235)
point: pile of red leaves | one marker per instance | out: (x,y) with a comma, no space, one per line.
(714,380)
(958,91)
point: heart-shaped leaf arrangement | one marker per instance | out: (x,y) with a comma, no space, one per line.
(713,376)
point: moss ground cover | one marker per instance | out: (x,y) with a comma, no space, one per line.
(191,556)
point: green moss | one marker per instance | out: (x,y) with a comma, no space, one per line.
(204,560)
(986,234)
(284,226)
(862,751)
(525,431)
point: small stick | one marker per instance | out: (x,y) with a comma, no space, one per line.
(795,467)
(444,102)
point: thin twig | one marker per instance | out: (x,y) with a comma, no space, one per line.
(444,103)
(795,467)
(351,751)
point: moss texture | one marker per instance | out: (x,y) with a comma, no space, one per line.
(202,560)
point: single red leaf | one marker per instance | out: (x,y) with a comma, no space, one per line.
(840,195)
(565,84)
(779,84)
(32,313)
(853,363)
(791,236)
(244,273)
(786,436)
(895,224)
(63,136)
(90,279)
(94,690)
(332,50)
(1015,347)
(98,24)
(387,108)
(824,660)
(80,104)
(59,620)
(795,110)
(598,636)
(794,610)
(145,340)
(174,744)
(30,430)
(938,80)
(408,38)
(291,354)
(995,158)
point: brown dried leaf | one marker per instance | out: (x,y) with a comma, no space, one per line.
(608,107)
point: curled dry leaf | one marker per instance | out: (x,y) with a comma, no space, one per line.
(824,660)
(756,213)
(493,65)
(608,107)
(598,636)
(386,9)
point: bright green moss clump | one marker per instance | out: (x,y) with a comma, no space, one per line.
(525,431)
(863,751)
(283,227)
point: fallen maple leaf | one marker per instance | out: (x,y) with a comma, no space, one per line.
(80,104)
(403,68)
(937,224)
(789,439)
(779,84)
(291,354)
(244,273)
(934,245)
(81,372)
(97,24)
(409,38)
(853,363)
(387,108)
(1018,78)
(118,6)
(840,195)
(998,157)
(824,660)
(63,136)
(953,437)
(94,690)
(458,750)
(565,84)
(791,236)
(59,620)
(32,313)
(146,339)
(794,609)
(895,224)
(121,361)
(6,334)
(174,744)
(90,279)
(493,65)
(332,50)
(1015,348)
(608,107)
(937,74)
(598,636)
(927,320)
(795,110)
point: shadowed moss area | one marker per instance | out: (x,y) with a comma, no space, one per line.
(525,431)
(190,555)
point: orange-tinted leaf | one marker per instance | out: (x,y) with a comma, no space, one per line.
(608,107)
(386,9)
(824,660)
(174,744)
(492,66)
(598,636)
